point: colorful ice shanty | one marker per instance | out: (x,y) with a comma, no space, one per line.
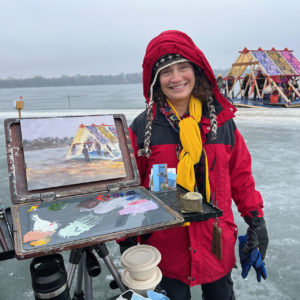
(95,142)
(266,76)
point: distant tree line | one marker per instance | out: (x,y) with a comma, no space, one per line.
(47,142)
(65,80)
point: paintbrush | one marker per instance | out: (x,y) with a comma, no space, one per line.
(2,241)
(2,238)
(8,227)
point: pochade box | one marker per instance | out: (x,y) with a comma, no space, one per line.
(74,183)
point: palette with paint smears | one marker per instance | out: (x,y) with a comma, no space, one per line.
(63,217)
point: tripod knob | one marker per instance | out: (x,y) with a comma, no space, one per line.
(113,285)
(92,264)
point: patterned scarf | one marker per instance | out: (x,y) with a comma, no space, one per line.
(192,148)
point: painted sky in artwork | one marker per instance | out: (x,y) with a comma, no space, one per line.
(59,127)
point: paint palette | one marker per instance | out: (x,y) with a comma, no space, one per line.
(50,218)
(87,219)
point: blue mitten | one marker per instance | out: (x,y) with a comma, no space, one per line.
(251,259)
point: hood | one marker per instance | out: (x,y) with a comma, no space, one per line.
(173,41)
(177,42)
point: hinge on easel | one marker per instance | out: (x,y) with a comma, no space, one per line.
(112,187)
(47,197)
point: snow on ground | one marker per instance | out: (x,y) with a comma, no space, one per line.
(269,115)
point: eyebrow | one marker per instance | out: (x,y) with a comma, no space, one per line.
(180,63)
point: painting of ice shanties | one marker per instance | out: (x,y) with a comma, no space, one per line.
(70,150)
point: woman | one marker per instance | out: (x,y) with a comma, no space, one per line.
(188,125)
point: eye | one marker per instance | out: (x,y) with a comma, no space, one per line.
(165,72)
(184,66)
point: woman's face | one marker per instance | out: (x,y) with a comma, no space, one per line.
(177,82)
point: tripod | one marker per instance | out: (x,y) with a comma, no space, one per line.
(89,267)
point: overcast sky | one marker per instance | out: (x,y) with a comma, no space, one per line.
(55,37)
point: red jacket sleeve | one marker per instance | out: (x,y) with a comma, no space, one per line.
(243,191)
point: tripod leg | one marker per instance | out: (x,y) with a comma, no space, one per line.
(115,273)
(78,294)
(70,274)
(102,251)
(88,281)
(74,259)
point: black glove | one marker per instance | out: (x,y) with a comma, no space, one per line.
(257,235)
(132,241)
(127,243)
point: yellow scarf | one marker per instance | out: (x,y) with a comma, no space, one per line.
(191,142)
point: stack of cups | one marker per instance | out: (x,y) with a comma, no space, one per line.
(140,268)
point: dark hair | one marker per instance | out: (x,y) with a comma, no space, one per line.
(202,89)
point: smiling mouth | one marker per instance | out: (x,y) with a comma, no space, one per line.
(178,87)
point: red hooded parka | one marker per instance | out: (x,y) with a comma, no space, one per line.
(186,251)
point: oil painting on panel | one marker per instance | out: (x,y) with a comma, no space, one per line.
(70,150)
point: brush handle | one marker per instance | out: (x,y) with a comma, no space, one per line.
(214,239)
(8,227)
(219,243)
(2,241)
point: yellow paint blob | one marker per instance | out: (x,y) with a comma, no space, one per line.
(32,208)
(40,242)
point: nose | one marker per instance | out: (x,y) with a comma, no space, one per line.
(176,76)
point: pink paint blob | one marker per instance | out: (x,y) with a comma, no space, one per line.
(36,235)
(138,202)
(146,205)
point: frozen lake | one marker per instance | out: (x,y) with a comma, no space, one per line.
(273,138)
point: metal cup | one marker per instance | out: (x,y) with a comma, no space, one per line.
(49,278)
